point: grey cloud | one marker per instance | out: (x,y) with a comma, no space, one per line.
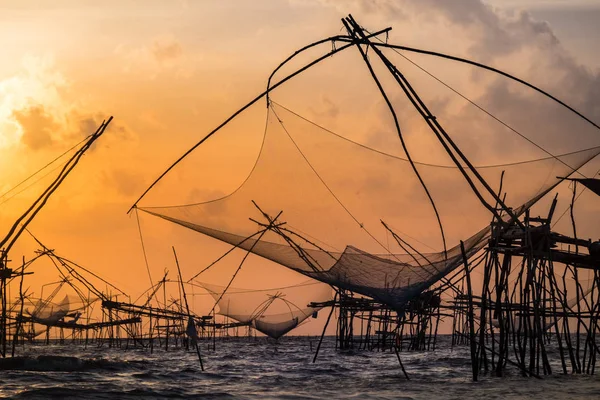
(516,42)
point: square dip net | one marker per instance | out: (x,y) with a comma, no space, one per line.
(354,209)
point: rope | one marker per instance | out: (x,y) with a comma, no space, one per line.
(242,263)
(40,170)
(30,185)
(360,224)
(576,198)
(137,217)
(424,163)
(482,109)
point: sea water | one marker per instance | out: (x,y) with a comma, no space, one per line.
(258,368)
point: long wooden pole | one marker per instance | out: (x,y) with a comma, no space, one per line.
(474,361)
(187,307)
(325,328)
(260,96)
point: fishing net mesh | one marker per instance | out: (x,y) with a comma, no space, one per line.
(328,192)
(273,312)
(57,308)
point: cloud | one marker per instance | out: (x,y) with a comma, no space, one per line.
(87,125)
(509,39)
(31,95)
(81,123)
(326,109)
(385,7)
(40,118)
(38,127)
(163,54)
(496,32)
(43,129)
(39,111)
(125,182)
(166,49)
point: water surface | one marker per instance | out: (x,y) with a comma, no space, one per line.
(259,368)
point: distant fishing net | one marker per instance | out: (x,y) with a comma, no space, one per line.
(273,312)
(349,210)
(47,311)
(50,311)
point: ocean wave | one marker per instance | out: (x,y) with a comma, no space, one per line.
(66,364)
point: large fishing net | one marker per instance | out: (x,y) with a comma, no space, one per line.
(273,312)
(335,197)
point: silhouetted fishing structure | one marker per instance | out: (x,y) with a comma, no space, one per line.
(533,305)
(334,209)
(8,274)
(393,300)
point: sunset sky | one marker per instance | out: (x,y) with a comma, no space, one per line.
(170,71)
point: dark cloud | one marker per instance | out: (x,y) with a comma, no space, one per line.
(495,34)
(515,42)
(37,125)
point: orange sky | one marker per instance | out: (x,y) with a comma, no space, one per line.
(171,71)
